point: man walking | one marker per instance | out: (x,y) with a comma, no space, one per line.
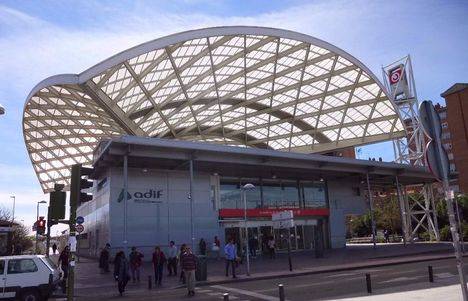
(158,264)
(188,262)
(104,259)
(172,259)
(230,252)
(63,261)
(135,264)
(54,248)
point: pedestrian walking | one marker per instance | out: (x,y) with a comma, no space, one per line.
(135,264)
(172,259)
(54,248)
(182,274)
(230,252)
(104,259)
(216,247)
(253,246)
(121,274)
(63,262)
(202,247)
(188,262)
(271,247)
(158,264)
(387,236)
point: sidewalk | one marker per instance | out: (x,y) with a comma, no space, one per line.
(88,279)
(446,293)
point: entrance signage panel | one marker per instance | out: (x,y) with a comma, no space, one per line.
(283,219)
(268,212)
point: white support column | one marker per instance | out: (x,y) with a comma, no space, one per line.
(192,234)
(125,200)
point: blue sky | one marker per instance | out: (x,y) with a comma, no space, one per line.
(42,38)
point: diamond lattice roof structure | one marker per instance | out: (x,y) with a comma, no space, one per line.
(244,86)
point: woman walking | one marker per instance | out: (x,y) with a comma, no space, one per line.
(121,271)
(158,263)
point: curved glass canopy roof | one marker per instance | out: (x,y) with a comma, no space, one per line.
(243,86)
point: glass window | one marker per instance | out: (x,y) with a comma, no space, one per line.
(2,267)
(272,195)
(230,196)
(314,196)
(290,196)
(17,266)
(254,197)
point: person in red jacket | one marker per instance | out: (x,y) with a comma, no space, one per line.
(188,261)
(158,263)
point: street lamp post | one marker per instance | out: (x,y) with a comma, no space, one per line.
(37,218)
(246,187)
(12,222)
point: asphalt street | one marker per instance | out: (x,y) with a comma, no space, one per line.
(322,286)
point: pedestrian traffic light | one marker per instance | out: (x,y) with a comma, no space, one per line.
(40,226)
(78,183)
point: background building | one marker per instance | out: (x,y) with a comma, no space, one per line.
(455,131)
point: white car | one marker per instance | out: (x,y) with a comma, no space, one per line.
(27,277)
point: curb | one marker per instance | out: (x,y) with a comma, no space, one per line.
(321,271)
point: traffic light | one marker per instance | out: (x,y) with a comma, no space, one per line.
(57,204)
(78,183)
(40,226)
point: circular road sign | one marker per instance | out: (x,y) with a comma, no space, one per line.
(79,228)
(79,220)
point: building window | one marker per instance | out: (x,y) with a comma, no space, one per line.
(18,266)
(314,196)
(448,146)
(444,125)
(230,195)
(450,156)
(443,115)
(452,167)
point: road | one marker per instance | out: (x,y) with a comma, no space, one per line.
(337,285)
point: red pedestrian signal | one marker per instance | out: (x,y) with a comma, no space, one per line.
(40,225)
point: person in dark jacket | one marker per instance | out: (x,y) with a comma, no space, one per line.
(188,262)
(104,259)
(182,275)
(54,248)
(121,271)
(158,263)
(202,247)
(63,261)
(135,258)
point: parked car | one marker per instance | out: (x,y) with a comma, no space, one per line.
(27,277)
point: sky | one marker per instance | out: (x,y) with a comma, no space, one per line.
(43,38)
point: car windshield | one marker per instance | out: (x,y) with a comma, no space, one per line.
(49,262)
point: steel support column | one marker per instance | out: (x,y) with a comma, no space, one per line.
(125,200)
(192,235)
(371,208)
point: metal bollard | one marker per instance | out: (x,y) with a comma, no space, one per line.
(225,297)
(368,283)
(431,274)
(281,292)
(150,283)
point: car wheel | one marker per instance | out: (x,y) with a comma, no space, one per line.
(30,295)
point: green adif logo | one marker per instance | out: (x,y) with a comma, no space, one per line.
(150,196)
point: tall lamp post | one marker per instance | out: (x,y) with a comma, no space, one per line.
(246,187)
(12,222)
(37,218)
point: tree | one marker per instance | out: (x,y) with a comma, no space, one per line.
(21,240)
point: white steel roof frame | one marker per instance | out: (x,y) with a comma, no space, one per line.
(255,110)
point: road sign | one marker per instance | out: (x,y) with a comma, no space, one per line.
(79,220)
(283,219)
(79,228)
(435,154)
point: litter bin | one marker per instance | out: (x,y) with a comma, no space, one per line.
(201,272)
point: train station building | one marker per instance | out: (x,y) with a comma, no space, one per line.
(177,126)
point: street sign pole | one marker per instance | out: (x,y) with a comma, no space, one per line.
(439,166)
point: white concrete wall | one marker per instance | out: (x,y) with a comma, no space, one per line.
(343,201)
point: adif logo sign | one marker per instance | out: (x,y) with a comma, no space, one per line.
(150,196)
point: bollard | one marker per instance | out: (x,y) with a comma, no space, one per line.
(150,283)
(431,274)
(281,292)
(369,284)
(225,297)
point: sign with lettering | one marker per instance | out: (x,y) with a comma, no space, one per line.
(146,196)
